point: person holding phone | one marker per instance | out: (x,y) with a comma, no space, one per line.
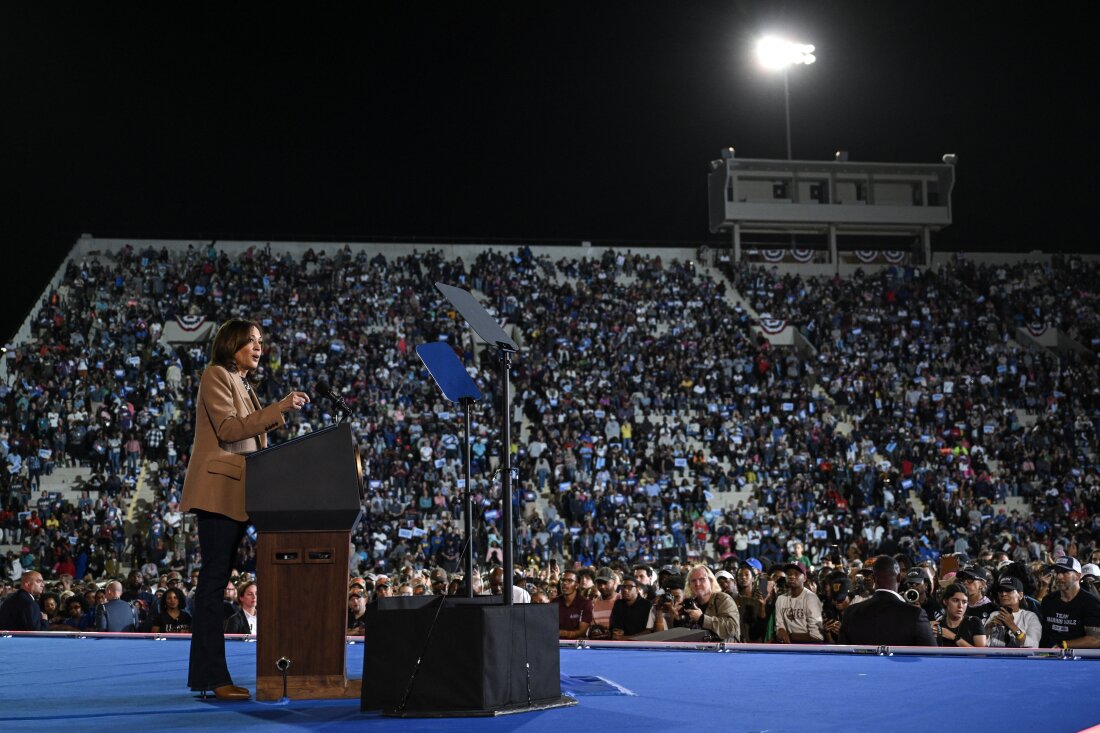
(1012,626)
(955,627)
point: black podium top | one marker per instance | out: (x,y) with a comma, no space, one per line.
(313,482)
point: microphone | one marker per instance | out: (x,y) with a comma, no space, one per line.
(324,390)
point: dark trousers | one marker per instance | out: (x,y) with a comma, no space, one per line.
(219,537)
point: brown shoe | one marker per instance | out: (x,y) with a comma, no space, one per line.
(231,692)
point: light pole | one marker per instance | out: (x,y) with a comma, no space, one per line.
(778,54)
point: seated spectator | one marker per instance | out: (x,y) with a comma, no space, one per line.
(74,613)
(798,611)
(954,627)
(975,579)
(631,613)
(243,621)
(172,619)
(50,605)
(115,614)
(1012,626)
(98,598)
(667,610)
(1090,578)
(438,580)
(496,586)
(574,610)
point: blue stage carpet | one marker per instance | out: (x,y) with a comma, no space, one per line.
(51,684)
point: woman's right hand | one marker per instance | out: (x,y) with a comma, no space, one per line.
(293,401)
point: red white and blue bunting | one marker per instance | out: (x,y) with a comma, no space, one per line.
(772,255)
(802,255)
(1036,328)
(866,256)
(893,256)
(190,323)
(773,325)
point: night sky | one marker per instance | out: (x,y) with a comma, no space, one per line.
(522,121)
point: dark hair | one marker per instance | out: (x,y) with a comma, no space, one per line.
(179,597)
(952,590)
(231,336)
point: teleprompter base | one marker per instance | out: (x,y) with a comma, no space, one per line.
(480,659)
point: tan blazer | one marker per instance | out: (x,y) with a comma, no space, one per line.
(229,422)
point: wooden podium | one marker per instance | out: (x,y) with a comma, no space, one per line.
(303,497)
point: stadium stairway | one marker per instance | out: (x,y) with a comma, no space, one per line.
(144,495)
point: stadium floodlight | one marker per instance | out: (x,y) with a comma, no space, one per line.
(779,55)
(776,53)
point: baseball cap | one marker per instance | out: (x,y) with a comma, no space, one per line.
(1091,569)
(973,572)
(1066,564)
(795,566)
(724,574)
(914,577)
(605,573)
(754,564)
(839,588)
(1009,582)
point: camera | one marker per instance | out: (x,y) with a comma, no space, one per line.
(911,595)
(688,605)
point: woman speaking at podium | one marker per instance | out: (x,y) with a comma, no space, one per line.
(229,424)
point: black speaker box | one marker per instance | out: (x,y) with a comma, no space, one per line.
(477,657)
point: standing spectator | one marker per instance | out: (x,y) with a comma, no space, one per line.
(885,618)
(750,602)
(607,595)
(798,612)
(1070,617)
(20,612)
(133,454)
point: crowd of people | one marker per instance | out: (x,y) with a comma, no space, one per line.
(890,600)
(643,392)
